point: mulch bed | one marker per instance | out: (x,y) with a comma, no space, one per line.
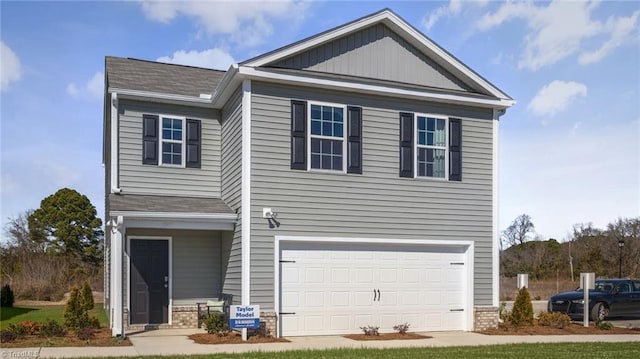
(233,338)
(102,338)
(386,336)
(572,328)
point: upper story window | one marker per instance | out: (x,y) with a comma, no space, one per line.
(172,144)
(171,141)
(431,146)
(326,138)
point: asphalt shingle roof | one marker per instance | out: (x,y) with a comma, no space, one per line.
(150,76)
(145,203)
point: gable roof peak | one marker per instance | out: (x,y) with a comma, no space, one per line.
(401,27)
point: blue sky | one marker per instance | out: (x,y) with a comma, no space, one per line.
(569,149)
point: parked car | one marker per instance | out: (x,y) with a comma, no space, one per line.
(610,298)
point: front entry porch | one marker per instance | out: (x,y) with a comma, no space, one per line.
(161,265)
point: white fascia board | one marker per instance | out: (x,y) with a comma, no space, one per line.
(411,34)
(176,215)
(161,97)
(245,270)
(253,73)
(495,258)
(225,88)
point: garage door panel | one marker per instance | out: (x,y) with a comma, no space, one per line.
(332,288)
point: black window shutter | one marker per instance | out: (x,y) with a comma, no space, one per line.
(298,135)
(406,144)
(354,140)
(455,149)
(150,139)
(193,144)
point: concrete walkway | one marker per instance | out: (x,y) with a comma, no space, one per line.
(175,341)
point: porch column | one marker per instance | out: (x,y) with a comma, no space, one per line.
(116,277)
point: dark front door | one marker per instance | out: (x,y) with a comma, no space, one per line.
(149,281)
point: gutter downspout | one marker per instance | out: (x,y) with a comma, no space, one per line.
(115,153)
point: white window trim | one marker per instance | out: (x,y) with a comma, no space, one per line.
(416,146)
(344,136)
(169,239)
(182,143)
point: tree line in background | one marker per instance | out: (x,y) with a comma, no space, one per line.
(608,252)
(53,248)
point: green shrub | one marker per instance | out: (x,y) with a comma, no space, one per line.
(554,320)
(75,315)
(402,328)
(86,297)
(19,329)
(370,330)
(6,296)
(604,325)
(522,313)
(53,329)
(215,324)
(94,323)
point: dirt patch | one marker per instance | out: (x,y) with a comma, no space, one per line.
(102,338)
(571,329)
(386,336)
(233,338)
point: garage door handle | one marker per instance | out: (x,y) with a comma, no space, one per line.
(287,313)
(378,295)
(456,310)
(374,295)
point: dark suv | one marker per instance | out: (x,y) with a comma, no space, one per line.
(610,298)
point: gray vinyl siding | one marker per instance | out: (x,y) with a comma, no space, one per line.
(375,52)
(231,173)
(196,263)
(376,204)
(137,178)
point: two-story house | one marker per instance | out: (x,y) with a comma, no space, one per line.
(347,179)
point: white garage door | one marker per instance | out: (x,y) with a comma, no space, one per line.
(331,288)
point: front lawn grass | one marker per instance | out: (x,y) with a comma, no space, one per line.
(507,351)
(43,314)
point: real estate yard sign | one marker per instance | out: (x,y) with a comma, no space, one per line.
(244,316)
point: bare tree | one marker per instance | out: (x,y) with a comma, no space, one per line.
(519,231)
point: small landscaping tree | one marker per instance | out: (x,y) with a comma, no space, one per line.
(522,313)
(86,297)
(75,315)
(6,296)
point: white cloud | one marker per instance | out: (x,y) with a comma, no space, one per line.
(555,97)
(10,68)
(211,58)
(93,89)
(621,29)
(453,8)
(248,22)
(560,30)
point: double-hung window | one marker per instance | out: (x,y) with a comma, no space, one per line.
(172,140)
(327,144)
(431,146)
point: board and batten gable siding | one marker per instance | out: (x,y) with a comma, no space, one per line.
(231,193)
(196,263)
(375,52)
(137,178)
(376,204)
